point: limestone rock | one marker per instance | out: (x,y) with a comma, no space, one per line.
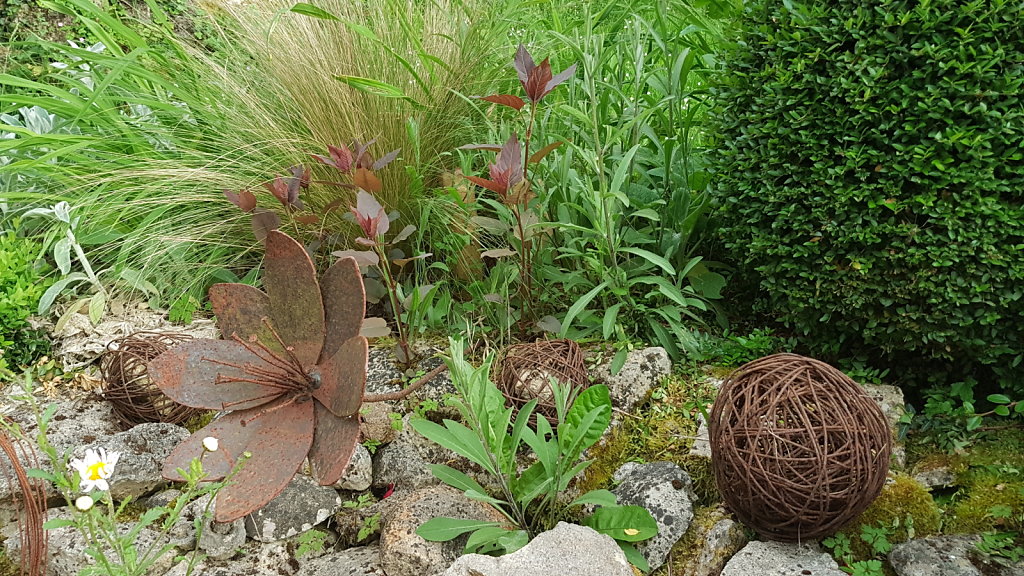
(403,552)
(377,424)
(364,561)
(300,506)
(565,550)
(781,559)
(359,473)
(643,370)
(405,462)
(666,491)
(382,376)
(254,558)
(142,450)
(714,537)
(935,556)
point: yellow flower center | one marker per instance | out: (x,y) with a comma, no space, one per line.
(93,472)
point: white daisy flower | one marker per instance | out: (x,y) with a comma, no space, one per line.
(83,503)
(95,468)
(210,444)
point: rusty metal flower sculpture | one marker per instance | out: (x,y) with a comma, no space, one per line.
(291,371)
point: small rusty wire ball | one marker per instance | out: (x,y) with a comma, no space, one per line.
(527,370)
(126,385)
(797,447)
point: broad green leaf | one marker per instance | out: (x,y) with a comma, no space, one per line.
(514,540)
(594,399)
(46,300)
(97,305)
(445,529)
(619,360)
(448,437)
(626,523)
(610,316)
(621,172)
(597,497)
(54,523)
(998,398)
(455,478)
(485,540)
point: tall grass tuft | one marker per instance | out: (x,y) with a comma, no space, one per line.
(152,130)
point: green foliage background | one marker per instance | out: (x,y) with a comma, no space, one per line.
(870,171)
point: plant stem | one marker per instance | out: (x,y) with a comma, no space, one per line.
(407,390)
(385,268)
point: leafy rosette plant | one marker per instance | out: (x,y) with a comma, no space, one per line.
(291,371)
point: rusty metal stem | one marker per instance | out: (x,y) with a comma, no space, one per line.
(409,390)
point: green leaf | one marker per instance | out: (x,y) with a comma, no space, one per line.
(626,523)
(595,399)
(634,557)
(54,523)
(455,437)
(651,257)
(375,87)
(445,529)
(578,307)
(598,497)
(313,11)
(46,300)
(608,325)
(97,305)
(998,398)
(485,540)
(621,172)
(455,478)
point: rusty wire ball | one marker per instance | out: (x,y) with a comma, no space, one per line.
(126,385)
(798,448)
(527,369)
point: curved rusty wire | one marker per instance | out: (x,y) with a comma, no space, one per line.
(798,448)
(33,503)
(126,384)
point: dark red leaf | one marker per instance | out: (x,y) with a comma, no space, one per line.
(367,180)
(334,441)
(509,163)
(537,82)
(385,159)
(561,77)
(178,370)
(244,199)
(523,63)
(361,155)
(308,219)
(263,222)
(302,173)
(540,154)
(506,100)
(344,304)
(492,186)
(296,308)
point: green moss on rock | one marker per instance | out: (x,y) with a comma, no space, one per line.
(903,505)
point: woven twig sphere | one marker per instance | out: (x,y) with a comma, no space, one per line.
(126,385)
(798,448)
(527,369)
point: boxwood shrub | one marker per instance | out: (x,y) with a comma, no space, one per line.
(870,175)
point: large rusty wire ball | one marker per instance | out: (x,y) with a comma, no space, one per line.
(527,370)
(798,448)
(126,385)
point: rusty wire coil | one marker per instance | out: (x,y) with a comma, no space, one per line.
(527,369)
(126,385)
(798,448)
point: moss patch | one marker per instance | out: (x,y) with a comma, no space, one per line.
(903,505)
(686,552)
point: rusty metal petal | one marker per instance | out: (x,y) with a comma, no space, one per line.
(344,304)
(217,464)
(198,373)
(278,437)
(343,378)
(333,444)
(296,309)
(240,309)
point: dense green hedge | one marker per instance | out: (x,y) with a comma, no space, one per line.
(870,173)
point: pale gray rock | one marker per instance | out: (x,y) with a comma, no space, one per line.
(403,552)
(643,370)
(299,507)
(383,376)
(890,400)
(702,443)
(142,450)
(406,461)
(781,559)
(254,558)
(935,476)
(221,541)
(565,550)
(377,423)
(361,561)
(935,556)
(358,475)
(666,491)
